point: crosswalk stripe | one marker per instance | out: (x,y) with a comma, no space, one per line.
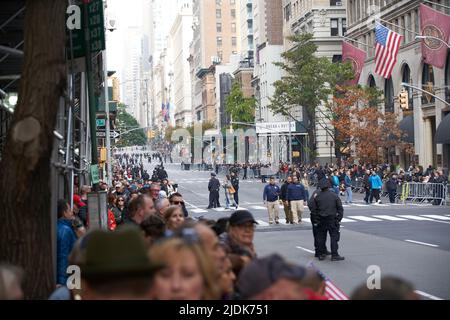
(307,220)
(199,210)
(262,223)
(347,220)
(435,217)
(364,218)
(391,218)
(258,207)
(360,205)
(219,209)
(418,218)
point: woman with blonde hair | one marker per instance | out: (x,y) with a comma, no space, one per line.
(188,273)
(174,217)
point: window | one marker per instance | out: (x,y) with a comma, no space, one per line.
(287,12)
(220,55)
(427,83)
(219,27)
(233,13)
(406,78)
(218,3)
(219,41)
(218,13)
(334,27)
(344,26)
(335,3)
(232,2)
(388,96)
(233,41)
(336,58)
(233,27)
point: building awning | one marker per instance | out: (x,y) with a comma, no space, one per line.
(443,131)
(407,126)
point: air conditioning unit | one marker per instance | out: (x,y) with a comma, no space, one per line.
(215,60)
(339,3)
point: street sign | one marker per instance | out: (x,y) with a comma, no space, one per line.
(94,174)
(101,122)
(112,134)
(96,26)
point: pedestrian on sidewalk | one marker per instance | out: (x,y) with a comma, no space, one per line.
(348,187)
(376,185)
(270,196)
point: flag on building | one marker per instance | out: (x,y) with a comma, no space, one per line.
(356,57)
(434,24)
(386,50)
(163,111)
(331,290)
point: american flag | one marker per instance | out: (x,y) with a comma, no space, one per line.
(386,50)
(332,292)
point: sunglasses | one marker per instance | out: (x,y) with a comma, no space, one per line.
(177,202)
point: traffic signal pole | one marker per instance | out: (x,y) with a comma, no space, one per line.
(108,129)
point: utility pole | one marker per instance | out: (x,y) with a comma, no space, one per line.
(108,129)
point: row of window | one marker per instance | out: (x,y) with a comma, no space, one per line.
(219,13)
(293,8)
(338,27)
(219,27)
(219,2)
(233,41)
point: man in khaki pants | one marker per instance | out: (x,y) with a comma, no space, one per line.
(270,197)
(296,195)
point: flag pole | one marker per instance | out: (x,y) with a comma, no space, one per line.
(347,38)
(393,24)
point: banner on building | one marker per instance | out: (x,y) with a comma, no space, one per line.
(356,57)
(435,26)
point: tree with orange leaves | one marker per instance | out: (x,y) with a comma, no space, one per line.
(361,131)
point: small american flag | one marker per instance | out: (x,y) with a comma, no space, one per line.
(386,50)
(332,292)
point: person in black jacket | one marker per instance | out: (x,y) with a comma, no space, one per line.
(235,184)
(283,197)
(213,187)
(367,187)
(391,186)
(314,227)
(326,215)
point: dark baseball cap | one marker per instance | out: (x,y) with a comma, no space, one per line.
(213,174)
(324,183)
(261,273)
(241,216)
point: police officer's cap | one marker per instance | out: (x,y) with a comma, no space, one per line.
(213,174)
(324,183)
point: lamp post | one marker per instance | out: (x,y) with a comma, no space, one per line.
(434,38)
(404,84)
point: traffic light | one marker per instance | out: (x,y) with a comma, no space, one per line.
(102,154)
(403,98)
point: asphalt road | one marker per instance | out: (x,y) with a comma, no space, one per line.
(407,240)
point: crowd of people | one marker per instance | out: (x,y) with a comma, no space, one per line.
(154,249)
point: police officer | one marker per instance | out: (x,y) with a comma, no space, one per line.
(326,215)
(314,226)
(213,187)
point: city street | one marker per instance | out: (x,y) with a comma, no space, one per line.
(411,241)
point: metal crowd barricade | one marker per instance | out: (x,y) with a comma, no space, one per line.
(422,192)
(357,185)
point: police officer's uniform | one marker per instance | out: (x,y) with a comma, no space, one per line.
(326,215)
(213,187)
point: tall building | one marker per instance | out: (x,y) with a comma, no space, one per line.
(215,39)
(425,113)
(327,21)
(180,38)
(268,35)
(132,70)
(246,26)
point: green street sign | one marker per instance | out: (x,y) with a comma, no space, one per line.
(101,122)
(95,178)
(96,26)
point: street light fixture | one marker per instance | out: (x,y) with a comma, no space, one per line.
(434,38)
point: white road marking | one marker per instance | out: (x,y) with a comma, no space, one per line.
(364,218)
(219,209)
(360,205)
(262,223)
(390,218)
(435,216)
(347,220)
(423,243)
(304,249)
(415,218)
(258,208)
(427,295)
(199,211)
(307,220)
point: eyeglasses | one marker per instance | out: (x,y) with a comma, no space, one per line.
(177,202)
(120,200)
